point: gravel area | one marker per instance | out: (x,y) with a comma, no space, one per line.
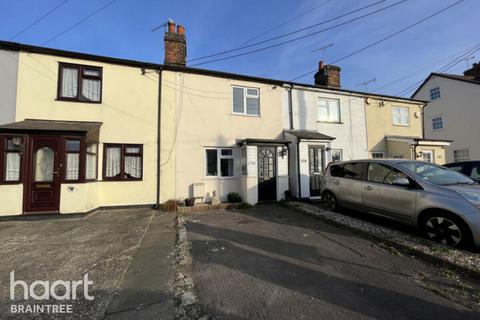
(467,261)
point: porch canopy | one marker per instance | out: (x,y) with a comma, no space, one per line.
(90,130)
(256,142)
(309,135)
(417,141)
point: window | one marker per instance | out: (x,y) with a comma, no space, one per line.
(435,93)
(437,123)
(91,163)
(328,110)
(381,173)
(244,161)
(400,116)
(11,159)
(219,162)
(337,155)
(475,174)
(378,155)
(347,170)
(123,162)
(72,168)
(461,155)
(246,101)
(79,83)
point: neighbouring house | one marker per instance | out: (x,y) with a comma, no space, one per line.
(395,130)
(77,131)
(452,111)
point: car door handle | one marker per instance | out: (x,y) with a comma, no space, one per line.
(368,188)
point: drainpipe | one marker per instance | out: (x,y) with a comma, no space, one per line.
(289,88)
(298,170)
(159,133)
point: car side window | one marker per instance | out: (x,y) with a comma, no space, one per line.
(377,172)
(337,171)
(381,173)
(475,172)
(353,170)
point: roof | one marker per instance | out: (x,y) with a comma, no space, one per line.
(14,46)
(90,129)
(310,135)
(457,77)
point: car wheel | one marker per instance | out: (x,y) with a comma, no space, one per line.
(446,229)
(329,201)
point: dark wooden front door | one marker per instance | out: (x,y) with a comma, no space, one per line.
(267,182)
(316,164)
(42,187)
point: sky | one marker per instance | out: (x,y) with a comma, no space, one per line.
(124,30)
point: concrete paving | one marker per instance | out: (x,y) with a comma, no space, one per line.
(273,263)
(126,253)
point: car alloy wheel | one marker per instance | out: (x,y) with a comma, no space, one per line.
(329,201)
(443,230)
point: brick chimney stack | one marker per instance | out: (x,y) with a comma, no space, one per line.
(473,72)
(175,45)
(327,75)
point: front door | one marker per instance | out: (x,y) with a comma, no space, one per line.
(427,155)
(42,187)
(316,164)
(267,183)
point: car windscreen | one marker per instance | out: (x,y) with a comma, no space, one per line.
(436,174)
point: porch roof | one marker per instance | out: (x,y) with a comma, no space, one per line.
(250,141)
(419,141)
(89,129)
(309,135)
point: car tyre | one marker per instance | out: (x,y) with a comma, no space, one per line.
(447,229)
(329,201)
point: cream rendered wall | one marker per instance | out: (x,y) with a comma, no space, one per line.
(380,123)
(200,108)
(128,112)
(459,106)
(8,85)
(11,199)
(439,153)
(350,134)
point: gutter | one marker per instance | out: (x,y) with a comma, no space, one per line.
(159,134)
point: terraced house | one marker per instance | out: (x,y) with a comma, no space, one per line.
(81,131)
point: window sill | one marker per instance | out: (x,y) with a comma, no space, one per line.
(330,122)
(401,125)
(119,180)
(246,115)
(10,182)
(219,178)
(78,101)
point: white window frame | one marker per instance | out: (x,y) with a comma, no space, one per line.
(327,100)
(245,96)
(336,150)
(435,91)
(439,120)
(219,157)
(457,159)
(378,152)
(400,123)
(431,153)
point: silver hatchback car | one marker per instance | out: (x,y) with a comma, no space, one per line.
(444,204)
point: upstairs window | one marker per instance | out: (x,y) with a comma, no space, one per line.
(246,101)
(400,116)
(328,110)
(435,93)
(80,83)
(437,123)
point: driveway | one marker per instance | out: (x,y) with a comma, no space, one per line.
(273,263)
(128,254)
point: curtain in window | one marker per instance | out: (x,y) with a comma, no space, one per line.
(73,164)
(91,165)
(44,164)
(113,159)
(133,167)
(12,172)
(91,89)
(69,82)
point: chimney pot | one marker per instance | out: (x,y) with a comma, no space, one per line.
(180,29)
(171,26)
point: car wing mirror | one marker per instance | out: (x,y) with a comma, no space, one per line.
(402,182)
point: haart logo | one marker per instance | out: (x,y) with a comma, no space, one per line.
(40,290)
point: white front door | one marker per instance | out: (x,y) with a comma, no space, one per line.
(427,155)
